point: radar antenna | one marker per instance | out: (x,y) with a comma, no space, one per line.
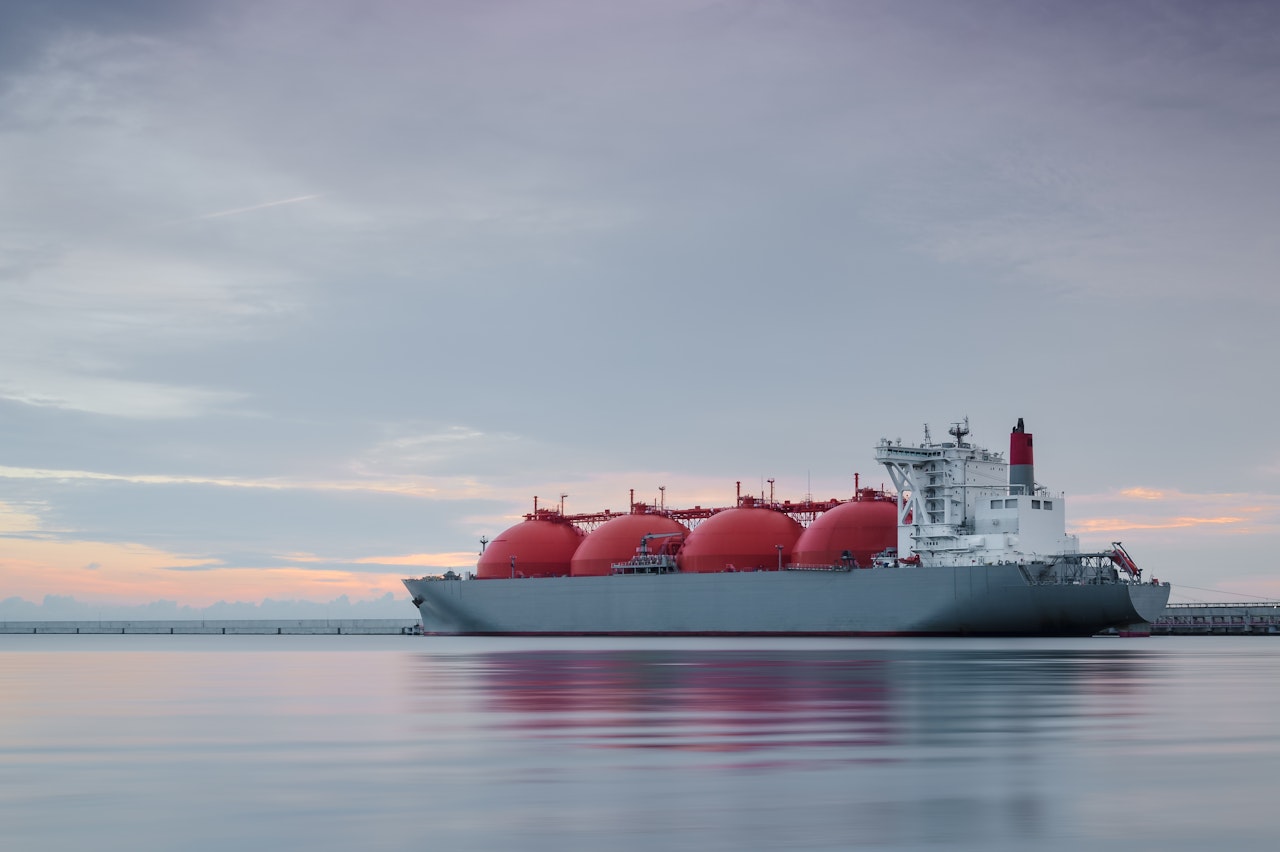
(959,431)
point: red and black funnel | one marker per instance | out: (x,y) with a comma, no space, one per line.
(1022,466)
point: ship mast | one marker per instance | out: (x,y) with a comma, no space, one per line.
(937,487)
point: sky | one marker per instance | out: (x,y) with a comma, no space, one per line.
(300,298)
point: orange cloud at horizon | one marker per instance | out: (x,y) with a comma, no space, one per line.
(1140,493)
(425,560)
(1140,509)
(122,573)
(1099,525)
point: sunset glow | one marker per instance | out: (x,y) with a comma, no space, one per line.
(290,312)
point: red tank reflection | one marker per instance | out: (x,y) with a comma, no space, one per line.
(725,701)
(857,704)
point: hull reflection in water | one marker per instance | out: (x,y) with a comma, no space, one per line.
(723,701)
(846,707)
(714,744)
(149,744)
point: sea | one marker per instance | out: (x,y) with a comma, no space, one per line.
(232,743)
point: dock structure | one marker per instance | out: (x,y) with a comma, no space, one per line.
(1203,619)
(225,627)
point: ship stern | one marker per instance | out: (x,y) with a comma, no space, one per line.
(1149,600)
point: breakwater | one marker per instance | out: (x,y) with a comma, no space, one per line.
(227,627)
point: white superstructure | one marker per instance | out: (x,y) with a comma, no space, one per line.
(956,506)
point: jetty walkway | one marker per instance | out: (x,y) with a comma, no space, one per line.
(1204,619)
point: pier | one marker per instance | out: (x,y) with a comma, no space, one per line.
(1204,619)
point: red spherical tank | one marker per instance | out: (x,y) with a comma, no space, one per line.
(741,539)
(863,528)
(618,539)
(542,548)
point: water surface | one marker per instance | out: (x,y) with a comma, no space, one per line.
(351,742)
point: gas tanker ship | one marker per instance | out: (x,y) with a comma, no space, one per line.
(969,544)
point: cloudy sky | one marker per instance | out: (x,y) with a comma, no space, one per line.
(299,298)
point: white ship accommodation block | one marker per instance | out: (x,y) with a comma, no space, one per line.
(959,504)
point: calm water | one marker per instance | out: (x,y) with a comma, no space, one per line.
(360,743)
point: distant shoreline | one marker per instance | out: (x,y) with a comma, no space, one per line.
(228,627)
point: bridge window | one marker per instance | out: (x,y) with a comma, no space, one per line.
(1011,504)
(1035,504)
(997,504)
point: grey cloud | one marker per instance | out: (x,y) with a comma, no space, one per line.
(30,25)
(699,237)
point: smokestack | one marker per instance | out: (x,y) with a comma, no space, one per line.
(1022,466)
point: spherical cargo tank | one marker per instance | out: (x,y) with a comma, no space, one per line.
(852,532)
(542,548)
(618,539)
(742,539)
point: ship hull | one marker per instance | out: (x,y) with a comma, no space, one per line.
(968,600)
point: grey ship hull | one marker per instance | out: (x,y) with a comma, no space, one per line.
(977,600)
